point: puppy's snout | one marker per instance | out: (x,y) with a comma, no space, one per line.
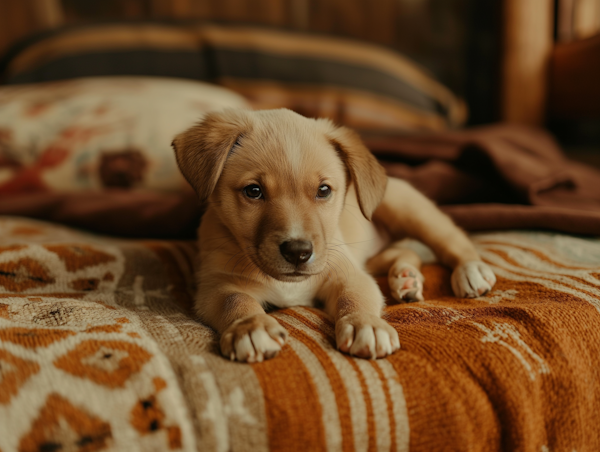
(296,251)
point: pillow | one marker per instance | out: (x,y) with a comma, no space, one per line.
(92,133)
(356,84)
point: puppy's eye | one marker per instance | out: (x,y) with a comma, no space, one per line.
(324,191)
(253,191)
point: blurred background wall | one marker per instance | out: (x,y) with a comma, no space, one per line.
(529,61)
(456,40)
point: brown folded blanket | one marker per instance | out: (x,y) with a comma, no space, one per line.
(494,177)
(497,177)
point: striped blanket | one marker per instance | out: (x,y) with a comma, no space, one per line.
(99,350)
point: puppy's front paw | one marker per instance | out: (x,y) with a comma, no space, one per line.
(472,279)
(253,339)
(366,336)
(407,285)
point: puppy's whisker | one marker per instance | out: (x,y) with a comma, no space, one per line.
(243,251)
(241,259)
(350,243)
(337,267)
(334,268)
(238,252)
(218,248)
(328,274)
(234,255)
(343,260)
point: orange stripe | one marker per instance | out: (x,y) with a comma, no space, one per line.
(551,277)
(337,383)
(537,253)
(293,412)
(363,383)
(368,404)
(309,323)
(390,408)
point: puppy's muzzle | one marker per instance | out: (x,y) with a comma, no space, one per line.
(296,251)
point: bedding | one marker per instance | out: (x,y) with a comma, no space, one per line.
(491,178)
(499,176)
(99,350)
(99,346)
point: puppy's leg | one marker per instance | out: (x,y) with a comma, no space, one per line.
(355,302)
(406,212)
(248,334)
(402,266)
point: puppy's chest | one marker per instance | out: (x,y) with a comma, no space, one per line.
(290,294)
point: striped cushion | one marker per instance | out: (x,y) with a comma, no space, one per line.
(356,84)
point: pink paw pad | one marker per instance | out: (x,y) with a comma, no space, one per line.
(410,283)
(407,272)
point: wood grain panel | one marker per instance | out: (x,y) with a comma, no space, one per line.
(575,80)
(528,41)
(18,18)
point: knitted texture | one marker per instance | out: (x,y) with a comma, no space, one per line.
(100,350)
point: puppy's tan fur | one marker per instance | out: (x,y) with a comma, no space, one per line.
(241,268)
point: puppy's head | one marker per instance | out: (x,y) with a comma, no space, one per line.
(277,181)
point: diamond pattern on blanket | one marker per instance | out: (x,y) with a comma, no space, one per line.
(148,418)
(108,363)
(23,274)
(78,257)
(62,426)
(14,371)
(76,361)
(33,337)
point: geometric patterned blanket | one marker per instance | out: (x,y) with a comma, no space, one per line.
(100,350)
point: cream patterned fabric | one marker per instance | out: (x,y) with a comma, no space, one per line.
(98,132)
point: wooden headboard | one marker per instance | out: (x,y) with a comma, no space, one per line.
(550,60)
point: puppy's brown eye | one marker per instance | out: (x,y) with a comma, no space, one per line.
(324,191)
(253,191)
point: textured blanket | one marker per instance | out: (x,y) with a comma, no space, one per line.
(502,176)
(99,350)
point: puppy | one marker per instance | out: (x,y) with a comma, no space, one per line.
(298,210)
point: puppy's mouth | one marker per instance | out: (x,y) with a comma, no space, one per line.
(298,274)
(294,276)
(290,276)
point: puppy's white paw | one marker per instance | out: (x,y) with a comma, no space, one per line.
(253,339)
(472,279)
(407,286)
(366,336)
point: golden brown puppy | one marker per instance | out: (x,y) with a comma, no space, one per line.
(298,210)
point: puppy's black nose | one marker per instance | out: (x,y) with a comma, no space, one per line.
(296,251)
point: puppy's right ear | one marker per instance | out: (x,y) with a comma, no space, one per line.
(202,150)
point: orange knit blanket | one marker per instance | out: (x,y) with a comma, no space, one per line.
(99,350)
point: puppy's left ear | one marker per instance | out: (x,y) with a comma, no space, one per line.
(367,174)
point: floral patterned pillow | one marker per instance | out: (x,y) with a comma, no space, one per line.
(93,133)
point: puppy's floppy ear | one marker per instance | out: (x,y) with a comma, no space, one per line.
(202,150)
(367,174)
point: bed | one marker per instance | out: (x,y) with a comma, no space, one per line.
(99,345)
